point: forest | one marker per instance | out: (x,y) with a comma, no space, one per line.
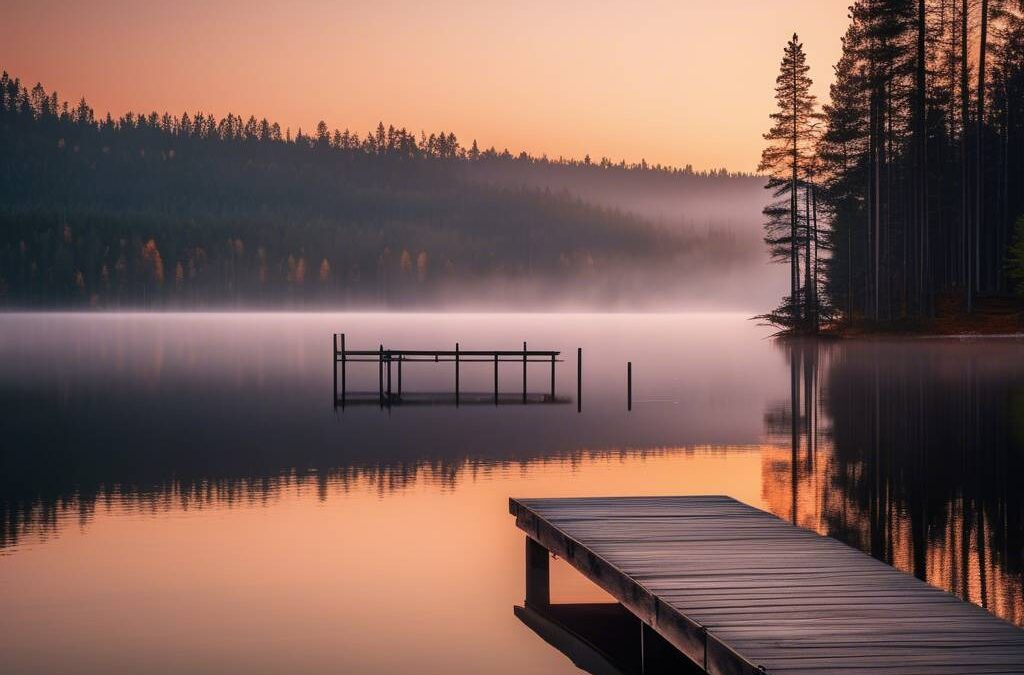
(186,211)
(901,197)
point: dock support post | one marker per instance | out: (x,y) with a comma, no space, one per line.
(629,385)
(400,359)
(380,375)
(495,379)
(334,358)
(552,377)
(524,372)
(456,373)
(343,357)
(388,356)
(579,379)
(538,577)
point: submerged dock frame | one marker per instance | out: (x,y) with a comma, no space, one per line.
(384,358)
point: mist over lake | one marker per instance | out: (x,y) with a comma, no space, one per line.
(162,467)
(665,337)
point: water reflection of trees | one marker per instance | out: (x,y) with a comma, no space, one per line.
(42,509)
(37,500)
(909,451)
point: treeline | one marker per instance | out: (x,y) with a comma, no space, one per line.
(192,210)
(915,165)
(680,199)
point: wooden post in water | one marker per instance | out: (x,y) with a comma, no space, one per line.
(456,373)
(400,359)
(380,375)
(579,379)
(524,372)
(495,379)
(552,377)
(343,370)
(334,357)
(388,356)
(538,576)
(629,385)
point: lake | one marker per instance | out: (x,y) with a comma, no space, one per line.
(178,492)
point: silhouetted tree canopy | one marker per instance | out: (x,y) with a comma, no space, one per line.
(188,210)
(920,161)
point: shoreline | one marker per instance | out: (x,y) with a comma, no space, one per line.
(1019,335)
(994,317)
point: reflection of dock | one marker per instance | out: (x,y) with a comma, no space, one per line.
(444,398)
(386,359)
(738,590)
(604,639)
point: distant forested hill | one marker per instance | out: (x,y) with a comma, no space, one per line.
(679,199)
(193,211)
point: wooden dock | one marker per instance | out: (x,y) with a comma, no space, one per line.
(386,358)
(738,590)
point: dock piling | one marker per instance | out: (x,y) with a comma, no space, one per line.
(688,568)
(495,379)
(343,359)
(388,356)
(524,372)
(538,574)
(456,373)
(380,375)
(579,379)
(334,358)
(400,359)
(552,377)
(629,385)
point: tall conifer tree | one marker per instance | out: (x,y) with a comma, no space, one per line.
(786,160)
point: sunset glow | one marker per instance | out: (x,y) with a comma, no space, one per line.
(670,82)
(667,336)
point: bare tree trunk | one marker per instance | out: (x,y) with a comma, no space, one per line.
(814,274)
(877,215)
(922,161)
(1006,188)
(808,293)
(979,196)
(849,275)
(964,160)
(951,259)
(793,249)
(887,149)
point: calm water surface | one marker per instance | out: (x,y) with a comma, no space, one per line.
(178,493)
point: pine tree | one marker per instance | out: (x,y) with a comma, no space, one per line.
(786,160)
(919,161)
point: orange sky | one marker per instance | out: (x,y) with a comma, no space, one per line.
(674,82)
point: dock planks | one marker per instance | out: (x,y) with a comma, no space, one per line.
(739,590)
